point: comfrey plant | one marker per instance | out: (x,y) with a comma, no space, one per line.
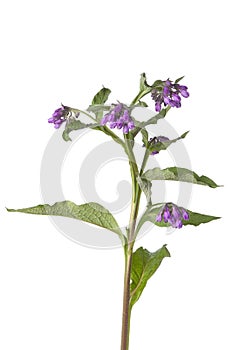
(141,264)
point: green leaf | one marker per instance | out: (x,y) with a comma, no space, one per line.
(160,146)
(144,265)
(179,79)
(141,104)
(178,174)
(144,137)
(93,213)
(143,82)
(98,108)
(195,219)
(101,96)
(153,120)
(145,186)
(75,125)
(158,83)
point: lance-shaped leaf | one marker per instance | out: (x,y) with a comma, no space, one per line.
(152,120)
(160,146)
(179,79)
(101,96)
(151,213)
(178,174)
(144,137)
(98,108)
(93,213)
(75,125)
(144,265)
(145,186)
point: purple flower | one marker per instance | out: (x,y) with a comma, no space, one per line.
(173,215)
(155,140)
(61,115)
(169,95)
(119,117)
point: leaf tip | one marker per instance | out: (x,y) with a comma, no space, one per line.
(9,209)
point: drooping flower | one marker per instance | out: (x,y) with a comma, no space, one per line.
(173,215)
(169,94)
(61,115)
(119,117)
(155,140)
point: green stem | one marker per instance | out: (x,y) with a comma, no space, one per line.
(83,112)
(145,159)
(128,248)
(126,314)
(140,95)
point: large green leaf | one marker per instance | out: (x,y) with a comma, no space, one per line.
(144,265)
(151,212)
(93,213)
(75,125)
(178,174)
(101,96)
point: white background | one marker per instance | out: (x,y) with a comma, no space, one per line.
(56,294)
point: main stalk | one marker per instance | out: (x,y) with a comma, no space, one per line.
(128,248)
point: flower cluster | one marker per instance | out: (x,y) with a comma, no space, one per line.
(61,115)
(155,140)
(172,214)
(119,117)
(169,94)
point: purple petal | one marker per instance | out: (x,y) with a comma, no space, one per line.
(159,217)
(166,214)
(184,93)
(167,100)
(172,103)
(176,212)
(118,108)
(131,124)
(58,112)
(163,139)
(168,82)
(111,117)
(158,107)
(119,124)
(183,90)
(166,91)
(185,214)
(125,129)
(112,125)
(104,120)
(176,97)
(179,224)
